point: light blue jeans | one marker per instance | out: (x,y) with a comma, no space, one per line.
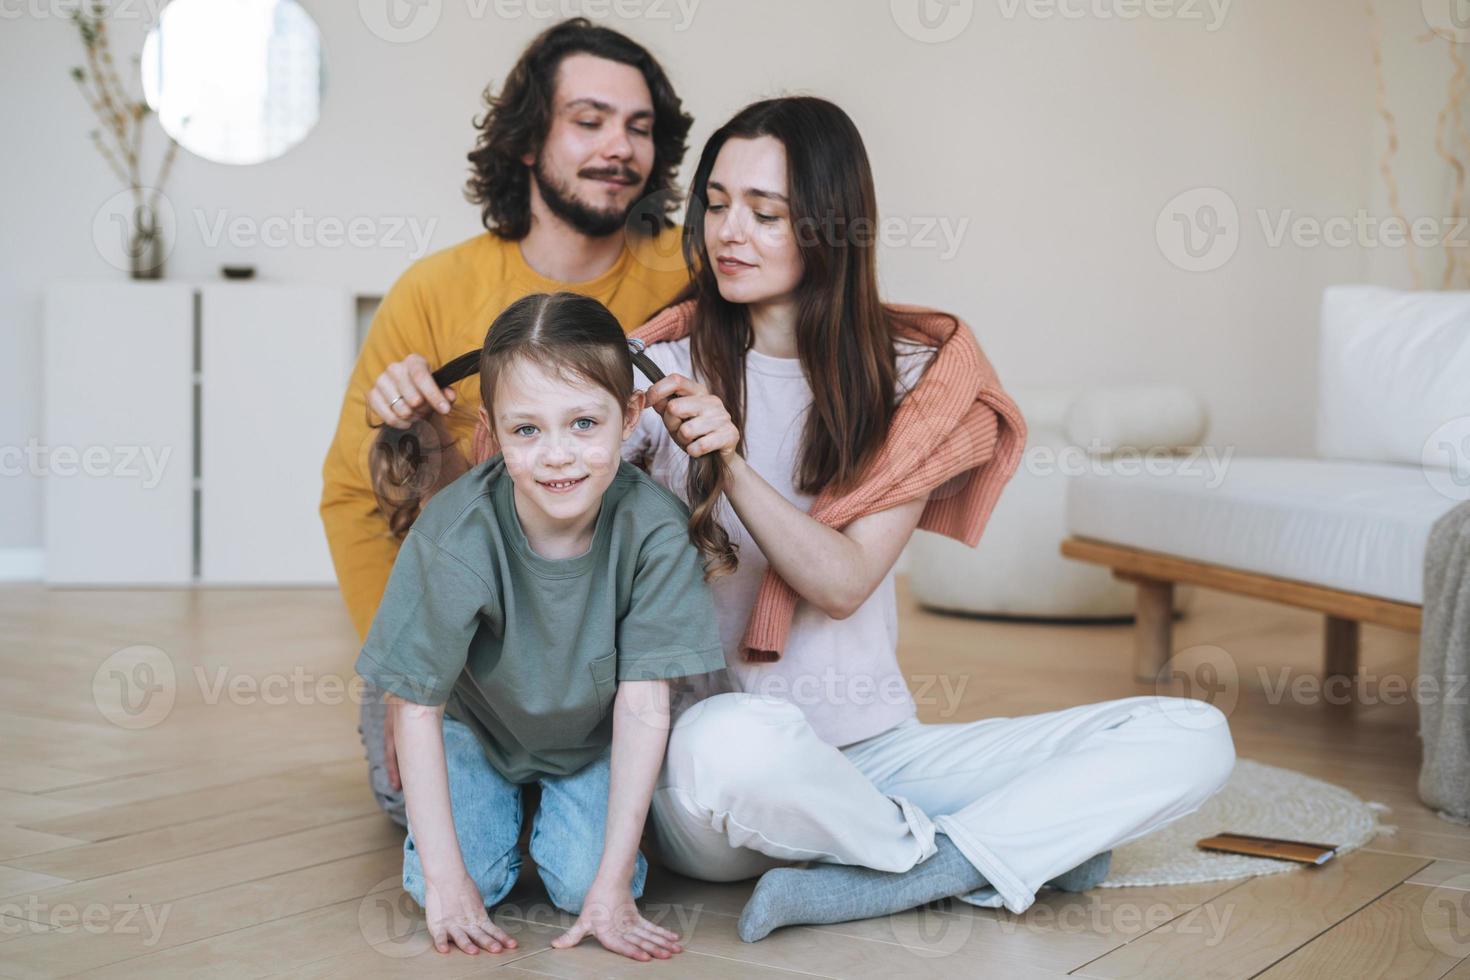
(566,833)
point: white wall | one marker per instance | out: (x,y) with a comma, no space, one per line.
(1059,140)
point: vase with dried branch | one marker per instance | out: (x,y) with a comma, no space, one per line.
(119,139)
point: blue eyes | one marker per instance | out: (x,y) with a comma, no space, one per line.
(527,431)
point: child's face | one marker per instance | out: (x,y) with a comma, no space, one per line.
(561,438)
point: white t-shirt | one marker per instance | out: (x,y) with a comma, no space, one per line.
(842,673)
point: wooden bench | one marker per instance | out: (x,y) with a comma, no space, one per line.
(1155,574)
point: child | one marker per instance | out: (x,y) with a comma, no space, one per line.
(537,610)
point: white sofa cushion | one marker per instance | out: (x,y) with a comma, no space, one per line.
(1393,367)
(1360,527)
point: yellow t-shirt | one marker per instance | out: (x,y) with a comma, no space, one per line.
(440,308)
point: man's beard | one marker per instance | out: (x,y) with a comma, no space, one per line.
(565,205)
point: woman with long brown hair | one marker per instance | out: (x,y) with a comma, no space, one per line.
(841,424)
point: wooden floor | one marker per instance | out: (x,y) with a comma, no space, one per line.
(232,834)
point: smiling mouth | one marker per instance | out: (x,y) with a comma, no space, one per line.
(732,265)
(561,486)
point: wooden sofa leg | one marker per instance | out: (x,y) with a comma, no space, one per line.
(1153,628)
(1340,648)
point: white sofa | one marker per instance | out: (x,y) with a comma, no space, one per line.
(1342,533)
(1018,571)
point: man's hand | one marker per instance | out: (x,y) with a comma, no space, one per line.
(406,391)
(456,913)
(610,914)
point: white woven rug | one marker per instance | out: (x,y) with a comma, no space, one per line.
(1258,799)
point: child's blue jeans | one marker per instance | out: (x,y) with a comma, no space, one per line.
(566,833)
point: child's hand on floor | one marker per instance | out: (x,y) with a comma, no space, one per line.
(456,913)
(610,913)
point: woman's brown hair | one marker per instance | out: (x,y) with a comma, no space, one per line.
(844,333)
(565,332)
(517,120)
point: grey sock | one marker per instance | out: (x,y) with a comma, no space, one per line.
(842,892)
(825,893)
(1088,874)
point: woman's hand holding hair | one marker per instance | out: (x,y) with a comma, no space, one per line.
(696,419)
(834,570)
(406,391)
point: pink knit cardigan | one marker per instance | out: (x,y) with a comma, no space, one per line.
(957,437)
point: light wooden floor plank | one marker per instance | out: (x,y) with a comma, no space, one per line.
(172,880)
(91,860)
(111,822)
(1409,934)
(1264,919)
(158,930)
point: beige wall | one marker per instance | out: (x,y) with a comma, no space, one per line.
(1049,143)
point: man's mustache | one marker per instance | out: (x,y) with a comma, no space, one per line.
(625,174)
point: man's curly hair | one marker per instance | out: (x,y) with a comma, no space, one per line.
(517,120)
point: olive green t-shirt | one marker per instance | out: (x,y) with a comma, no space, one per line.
(528,651)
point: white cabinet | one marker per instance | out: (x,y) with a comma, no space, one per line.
(274,366)
(222,399)
(117,446)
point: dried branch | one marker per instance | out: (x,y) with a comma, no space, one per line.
(1441,125)
(1459,89)
(1385,163)
(122,117)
